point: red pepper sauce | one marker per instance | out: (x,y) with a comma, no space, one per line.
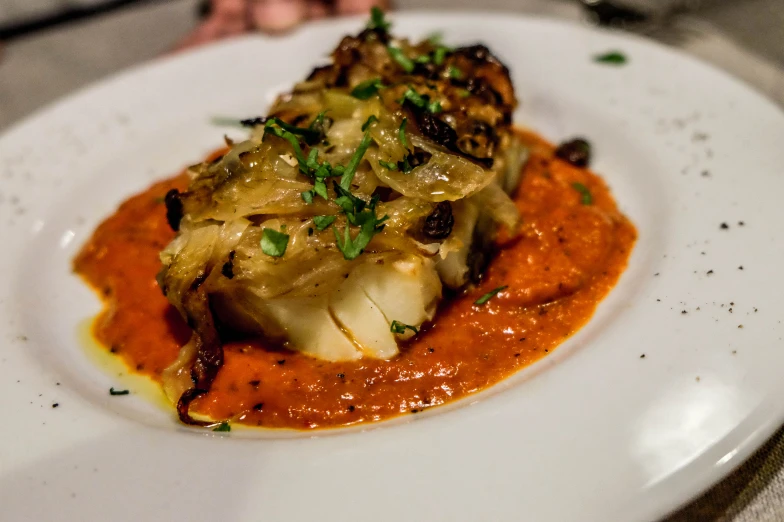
(567,259)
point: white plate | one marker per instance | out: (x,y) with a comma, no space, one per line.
(593,432)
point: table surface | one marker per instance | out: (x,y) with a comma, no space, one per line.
(745,38)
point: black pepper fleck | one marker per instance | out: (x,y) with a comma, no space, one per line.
(724,226)
(642,356)
(351,407)
(282,362)
(55,405)
(710,272)
(684,312)
(259,406)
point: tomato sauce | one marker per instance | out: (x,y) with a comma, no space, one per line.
(569,256)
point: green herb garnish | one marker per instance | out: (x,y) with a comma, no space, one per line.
(611,58)
(323,222)
(400,328)
(271,127)
(310,134)
(320,188)
(223,426)
(464,93)
(489,295)
(402,60)
(405,165)
(368,88)
(307,196)
(454,72)
(370,121)
(586,198)
(112,391)
(439,54)
(402,133)
(387,165)
(348,202)
(377,21)
(369,226)
(421,101)
(274,243)
(351,168)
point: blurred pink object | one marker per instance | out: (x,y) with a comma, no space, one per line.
(231,17)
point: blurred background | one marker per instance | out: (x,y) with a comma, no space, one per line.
(49,48)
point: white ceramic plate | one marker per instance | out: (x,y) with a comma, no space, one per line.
(592,432)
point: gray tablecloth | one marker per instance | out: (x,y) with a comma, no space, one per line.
(745,38)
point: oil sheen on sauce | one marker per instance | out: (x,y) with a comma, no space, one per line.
(568,257)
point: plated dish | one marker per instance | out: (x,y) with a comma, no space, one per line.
(592,431)
(384,242)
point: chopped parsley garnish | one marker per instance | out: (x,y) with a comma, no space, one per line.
(402,133)
(464,93)
(387,165)
(405,165)
(348,202)
(112,391)
(317,125)
(323,222)
(421,101)
(369,226)
(402,60)
(489,295)
(272,127)
(611,58)
(223,426)
(370,121)
(439,54)
(311,135)
(274,243)
(367,89)
(399,328)
(351,168)
(320,188)
(307,196)
(360,214)
(586,198)
(377,21)
(454,72)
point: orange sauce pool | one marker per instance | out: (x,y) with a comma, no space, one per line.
(568,258)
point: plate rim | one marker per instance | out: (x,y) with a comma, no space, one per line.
(741,451)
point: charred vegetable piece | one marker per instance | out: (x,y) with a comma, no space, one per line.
(438,225)
(576,151)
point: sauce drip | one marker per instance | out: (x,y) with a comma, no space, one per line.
(567,259)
